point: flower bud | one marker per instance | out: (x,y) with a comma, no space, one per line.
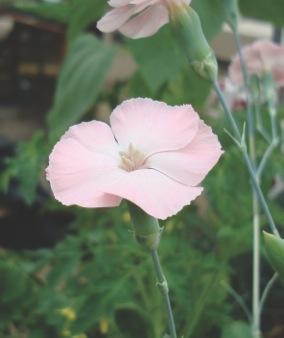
(187,26)
(146,228)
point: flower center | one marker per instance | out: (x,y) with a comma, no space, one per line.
(132,159)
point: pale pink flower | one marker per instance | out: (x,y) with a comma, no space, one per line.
(261,57)
(138,18)
(153,155)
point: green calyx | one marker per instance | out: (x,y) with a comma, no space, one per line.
(187,26)
(146,228)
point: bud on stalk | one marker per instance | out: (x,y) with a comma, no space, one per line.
(187,26)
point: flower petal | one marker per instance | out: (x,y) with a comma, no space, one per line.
(120,3)
(95,136)
(75,167)
(155,193)
(152,126)
(115,18)
(147,23)
(191,164)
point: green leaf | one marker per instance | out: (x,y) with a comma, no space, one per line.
(188,87)
(80,80)
(237,329)
(212,15)
(159,57)
(264,10)
(83,13)
(275,252)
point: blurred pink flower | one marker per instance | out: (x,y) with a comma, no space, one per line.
(234,94)
(261,57)
(138,18)
(153,155)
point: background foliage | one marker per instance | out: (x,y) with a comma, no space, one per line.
(96,280)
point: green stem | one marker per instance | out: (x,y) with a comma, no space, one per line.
(272,114)
(256,325)
(250,117)
(163,285)
(227,110)
(266,291)
(265,157)
(247,160)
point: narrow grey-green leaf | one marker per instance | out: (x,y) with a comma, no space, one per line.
(80,80)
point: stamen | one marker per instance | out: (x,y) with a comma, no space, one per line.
(132,159)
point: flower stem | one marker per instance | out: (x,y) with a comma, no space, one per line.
(256,325)
(247,160)
(246,78)
(163,285)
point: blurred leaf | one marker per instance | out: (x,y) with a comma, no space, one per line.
(233,229)
(12,275)
(76,14)
(137,87)
(54,11)
(212,15)
(188,87)
(275,252)
(159,57)
(27,164)
(83,13)
(264,10)
(131,314)
(80,80)
(237,329)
